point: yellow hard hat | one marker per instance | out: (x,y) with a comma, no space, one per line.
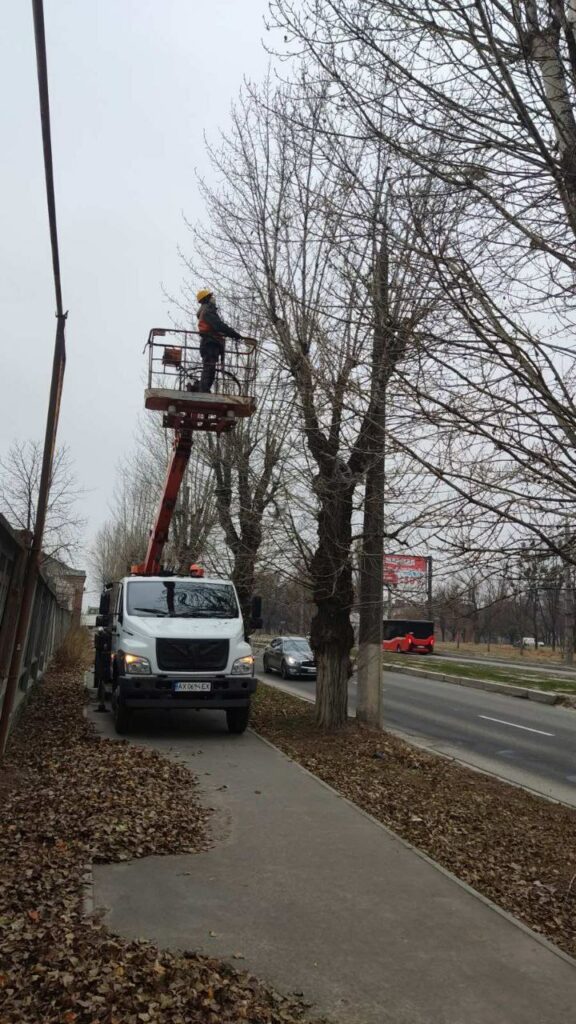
(203,294)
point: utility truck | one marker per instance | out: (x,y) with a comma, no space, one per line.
(174,643)
(167,641)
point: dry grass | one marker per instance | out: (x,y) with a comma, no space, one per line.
(529,656)
(75,651)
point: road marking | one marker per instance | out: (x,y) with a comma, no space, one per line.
(516,726)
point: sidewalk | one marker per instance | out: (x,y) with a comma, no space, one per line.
(316,897)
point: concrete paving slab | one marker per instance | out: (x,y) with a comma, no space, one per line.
(318,898)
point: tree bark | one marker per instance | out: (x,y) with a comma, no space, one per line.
(244,572)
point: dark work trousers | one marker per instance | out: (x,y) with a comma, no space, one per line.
(210,350)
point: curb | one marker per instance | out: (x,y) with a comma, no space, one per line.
(88,891)
(506,689)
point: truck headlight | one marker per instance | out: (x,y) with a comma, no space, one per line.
(135,665)
(243,666)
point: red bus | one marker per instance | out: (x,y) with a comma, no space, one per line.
(406,635)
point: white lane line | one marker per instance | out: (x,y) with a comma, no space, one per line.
(516,726)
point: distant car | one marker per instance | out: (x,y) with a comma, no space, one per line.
(290,656)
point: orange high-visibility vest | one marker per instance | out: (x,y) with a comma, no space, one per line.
(205,328)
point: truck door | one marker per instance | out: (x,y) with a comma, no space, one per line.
(117,620)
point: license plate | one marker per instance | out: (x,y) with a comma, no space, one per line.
(191,686)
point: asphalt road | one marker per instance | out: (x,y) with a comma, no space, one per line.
(531,744)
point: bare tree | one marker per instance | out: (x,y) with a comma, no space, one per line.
(246,463)
(495,81)
(123,539)
(19,481)
(299,227)
(481,99)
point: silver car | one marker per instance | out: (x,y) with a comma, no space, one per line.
(290,656)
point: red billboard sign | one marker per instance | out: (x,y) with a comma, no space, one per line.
(405,570)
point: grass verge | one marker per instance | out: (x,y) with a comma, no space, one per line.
(516,849)
(69,798)
(510,676)
(544,657)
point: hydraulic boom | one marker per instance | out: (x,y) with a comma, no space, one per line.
(151,565)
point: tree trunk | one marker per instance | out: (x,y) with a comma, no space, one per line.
(332,635)
(333,661)
(243,579)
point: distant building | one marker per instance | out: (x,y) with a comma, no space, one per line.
(69,586)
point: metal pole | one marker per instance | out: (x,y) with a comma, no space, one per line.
(369,677)
(35,550)
(429,588)
(58,366)
(568,615)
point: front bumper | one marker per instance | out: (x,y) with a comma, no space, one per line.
(151,691)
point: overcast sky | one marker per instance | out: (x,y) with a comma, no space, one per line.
(134,84)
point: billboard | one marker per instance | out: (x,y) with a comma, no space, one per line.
(405,570)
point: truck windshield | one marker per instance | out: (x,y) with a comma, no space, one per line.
(183,599)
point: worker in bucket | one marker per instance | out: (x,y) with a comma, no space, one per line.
(213,331)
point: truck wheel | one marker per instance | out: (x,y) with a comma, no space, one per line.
(237,719)
(101,696)
(122,716)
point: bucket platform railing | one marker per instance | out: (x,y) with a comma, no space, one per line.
(174,370)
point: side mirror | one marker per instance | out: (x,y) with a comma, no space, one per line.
(104,606)
(103,620)
(256,613)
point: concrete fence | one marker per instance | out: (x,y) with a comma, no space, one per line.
(52,615)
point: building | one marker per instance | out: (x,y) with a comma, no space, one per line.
(69,586)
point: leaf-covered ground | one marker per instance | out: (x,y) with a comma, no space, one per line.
(516,849)
(68,798)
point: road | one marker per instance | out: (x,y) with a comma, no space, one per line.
(531,744)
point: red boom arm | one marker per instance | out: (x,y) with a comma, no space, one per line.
(159,533)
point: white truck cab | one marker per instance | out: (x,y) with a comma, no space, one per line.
(174,643)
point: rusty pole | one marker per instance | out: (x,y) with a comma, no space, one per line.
(58,365)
